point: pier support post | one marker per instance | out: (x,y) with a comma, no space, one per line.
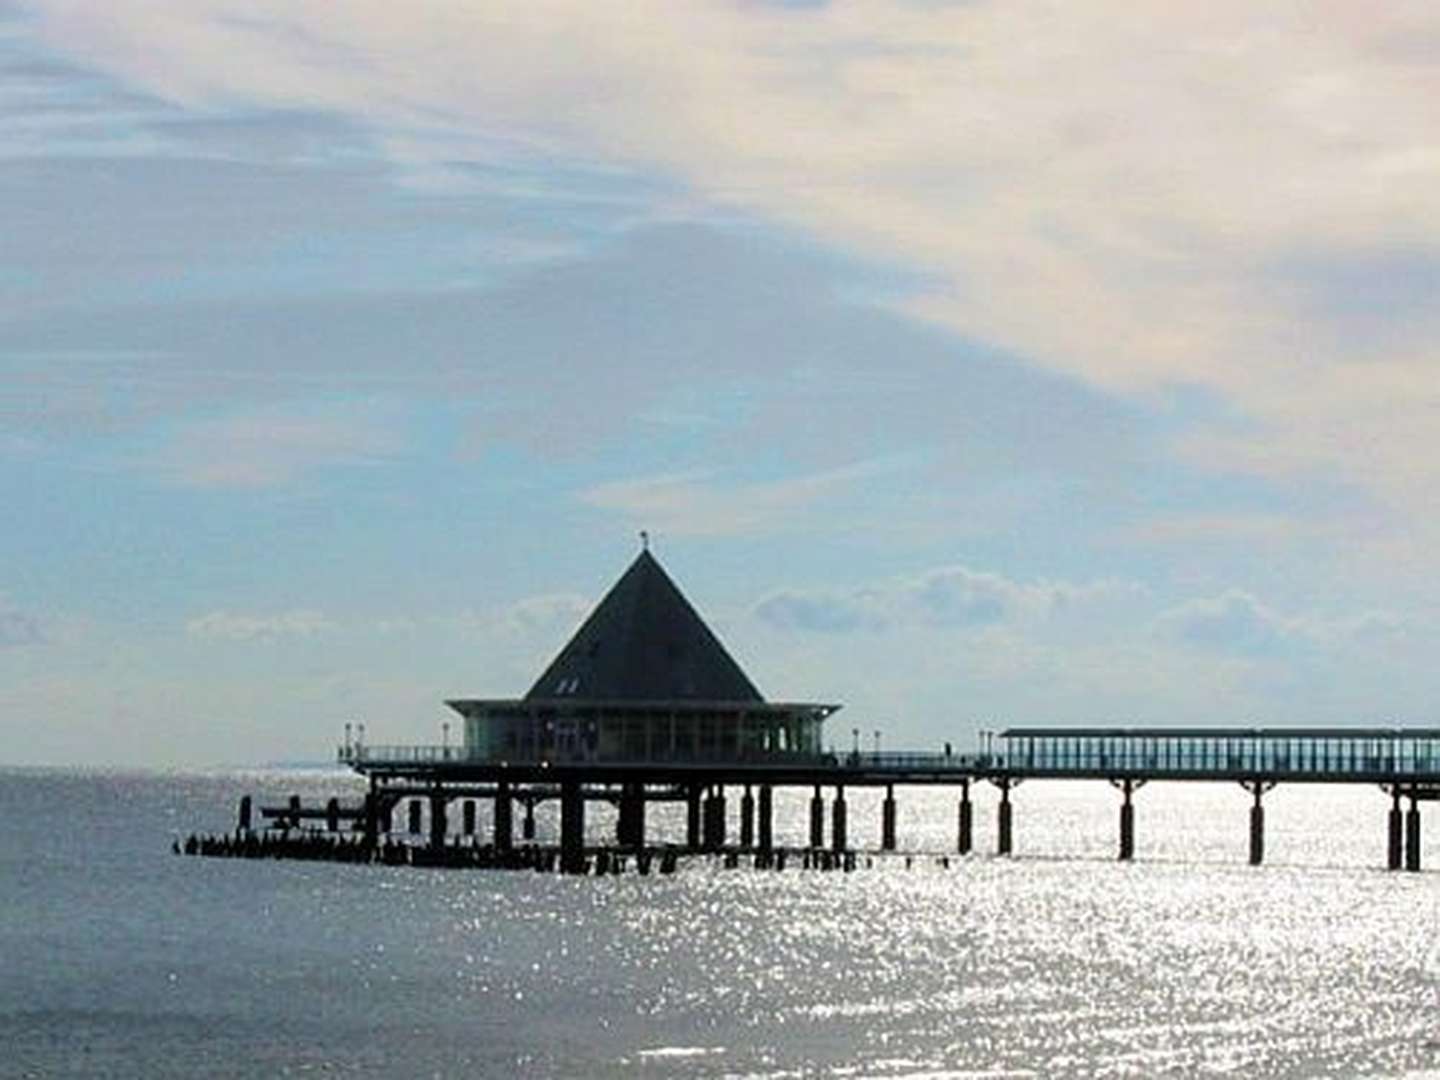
(1257,826)
(372,819)
(623,825)
(1127,788)
(572,828)
(966,823)
(1395,847)
(438,803)
(817,819)
(692,816)
(887,819)
(1127,829)
(715,820)
(243,824)
(467,817)
(527,827)
(837,820)
(1004,839)
(747,819)
(1412,834)
(414,821)
(504,818)
(767,818)
(630,829)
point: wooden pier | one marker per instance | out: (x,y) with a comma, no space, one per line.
(1403,764)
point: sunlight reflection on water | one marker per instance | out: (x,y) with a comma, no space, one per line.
(1058,962)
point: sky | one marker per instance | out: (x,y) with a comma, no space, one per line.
(972,364)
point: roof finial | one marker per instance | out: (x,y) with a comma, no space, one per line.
(644,540)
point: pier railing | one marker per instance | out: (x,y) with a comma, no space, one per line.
(920,761)
(1316,755)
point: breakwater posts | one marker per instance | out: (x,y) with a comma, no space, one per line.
(599,861)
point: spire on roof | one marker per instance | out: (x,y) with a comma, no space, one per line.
(644,642)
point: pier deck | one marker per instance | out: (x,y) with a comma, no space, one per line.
(1404,763)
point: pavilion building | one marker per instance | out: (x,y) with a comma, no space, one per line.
(643,680)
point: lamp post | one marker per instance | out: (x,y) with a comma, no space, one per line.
(877,745)
(445,740)
(855,750)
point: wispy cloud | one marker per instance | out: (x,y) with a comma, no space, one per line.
(948,598)
(276,445)
(1237,622)
(703,503)
(234,626)
(1137,241)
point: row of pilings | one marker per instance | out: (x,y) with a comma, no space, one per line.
(322,847)
(705,824)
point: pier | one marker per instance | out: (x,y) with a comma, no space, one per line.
(644,705)
(429,781)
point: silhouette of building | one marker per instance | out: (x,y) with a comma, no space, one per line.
(643,680)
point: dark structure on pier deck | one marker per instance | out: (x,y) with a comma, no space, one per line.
(643,701)
(643,680)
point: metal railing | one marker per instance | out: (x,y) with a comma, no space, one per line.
(402,755)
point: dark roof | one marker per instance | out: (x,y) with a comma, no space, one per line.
(644,642)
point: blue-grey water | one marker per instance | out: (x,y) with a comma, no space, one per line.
(118,958)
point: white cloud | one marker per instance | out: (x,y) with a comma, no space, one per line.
(947,598)
(702,504)
(231,626)
(1106,192)
(275,445)
(1236,621)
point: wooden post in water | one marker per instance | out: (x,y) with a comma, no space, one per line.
(767,817)
(438,825)
(467,817)
(503,818)
(887,819)
(572,828)
(1412,834)
(837,820)
(371,811)
(414,817)
(817,819)
(243,824)
(1127,787)
(1257,822)
(632,801)
(715,820)
(965,839)
(692,816)
(1003,845)
(1396,846)
(527,826)
(623,827)
(747,819)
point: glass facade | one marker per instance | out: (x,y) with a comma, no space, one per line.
(528,732)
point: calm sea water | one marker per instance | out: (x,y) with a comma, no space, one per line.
(120,959)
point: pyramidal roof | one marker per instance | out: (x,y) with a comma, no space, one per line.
(644,642)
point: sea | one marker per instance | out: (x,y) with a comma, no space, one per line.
(119,958)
